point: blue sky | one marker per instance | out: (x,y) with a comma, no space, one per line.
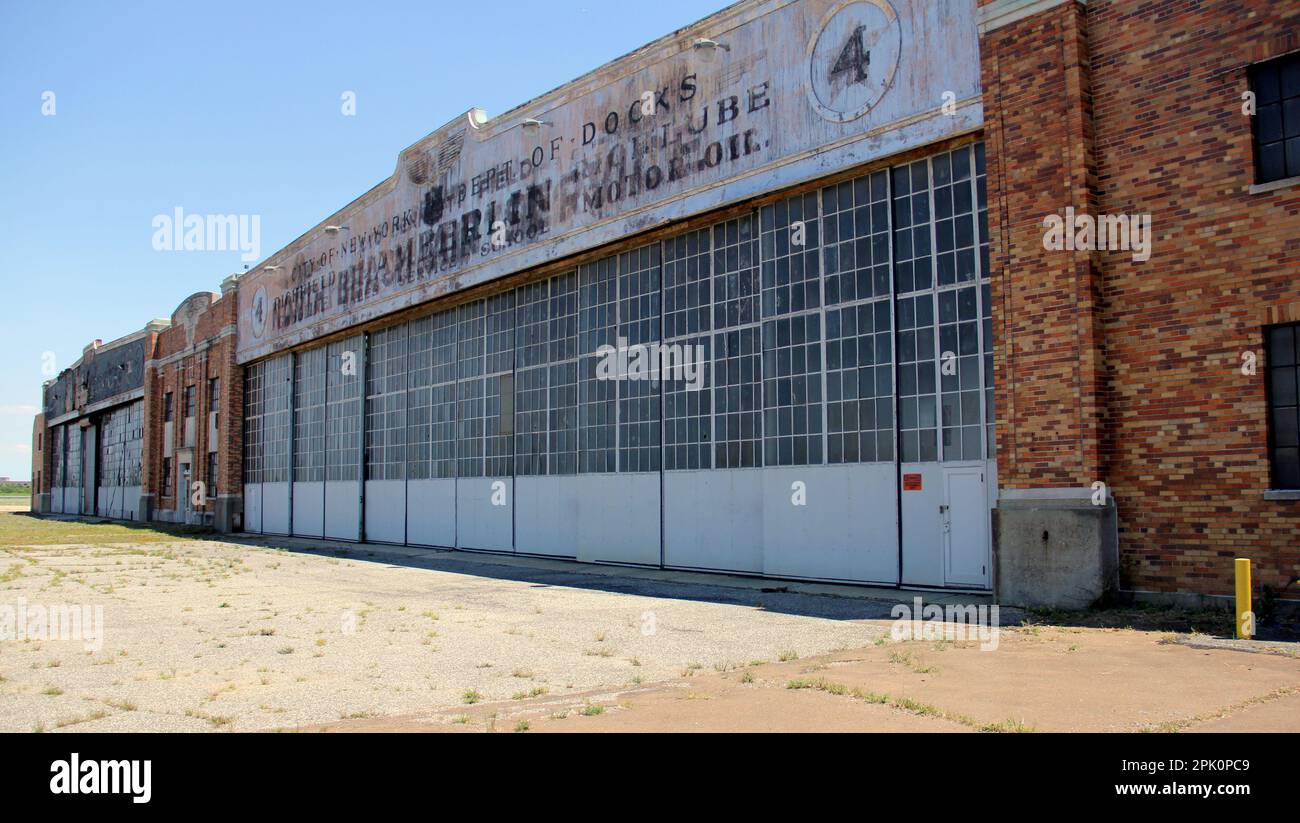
(232,108)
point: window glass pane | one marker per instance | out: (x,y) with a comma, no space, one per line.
(309,417)
(386,367)
(343,380)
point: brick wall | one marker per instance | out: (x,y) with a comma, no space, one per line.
(1125,371)
(197,347)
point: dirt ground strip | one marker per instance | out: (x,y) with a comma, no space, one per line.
(200,634)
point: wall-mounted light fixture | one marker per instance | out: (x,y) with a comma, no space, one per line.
(270,268)
(532,124)
(336,229)
(708,49)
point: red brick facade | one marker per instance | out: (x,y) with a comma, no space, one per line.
(1130,372)
(197,348)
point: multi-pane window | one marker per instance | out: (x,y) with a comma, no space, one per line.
(253,411)
(431,397)
(276,420)
(532,316)
(189,401)
(167,408)
(638,391)
(737,345)
(1276,84)
(214,398)
(562,378)
(597,392)
(791,255)
(792,390)
(111,465)
(309,416)
(343,378)
(792,332)
(213,475)
(499,387)
(1284,404)
(860,383)
(736,289)
(943,315)
(58,455)
(687,410)
(855,231)
(471,325)
(386,404)
(72,459)
(959,374)
(737,398)
(917,420)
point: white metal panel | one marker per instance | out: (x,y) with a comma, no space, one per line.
(253,508)
(342,510)
(309,509)
(547,512)
(431,512)
(131,503)
(714,520)
(847,528)
(386,511)
(922,526)
(618,519)
(482,523)
(275,508)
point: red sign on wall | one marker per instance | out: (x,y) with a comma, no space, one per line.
(912,483)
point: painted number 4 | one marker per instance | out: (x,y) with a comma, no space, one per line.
(854,57)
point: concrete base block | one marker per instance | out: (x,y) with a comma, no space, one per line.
(41,503)
(146,508)
(1060,554)
(229,513)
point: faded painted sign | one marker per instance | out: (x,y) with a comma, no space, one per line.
(776,94)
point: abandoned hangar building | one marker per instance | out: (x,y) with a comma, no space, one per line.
(996,295)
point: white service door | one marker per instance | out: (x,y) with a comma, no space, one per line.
(965,528)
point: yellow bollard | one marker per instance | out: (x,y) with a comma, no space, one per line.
(1245,616)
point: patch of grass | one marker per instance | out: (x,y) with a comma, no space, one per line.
(537,692)
(215,720)
(1008,726)
(72,721)
(26,529)
(521,726)
(118,703)
(471,696)
(591,710)
(747,677)
(906,704)
(788,655)
(52,691)
(906,659)
(461,720)
(284,650)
